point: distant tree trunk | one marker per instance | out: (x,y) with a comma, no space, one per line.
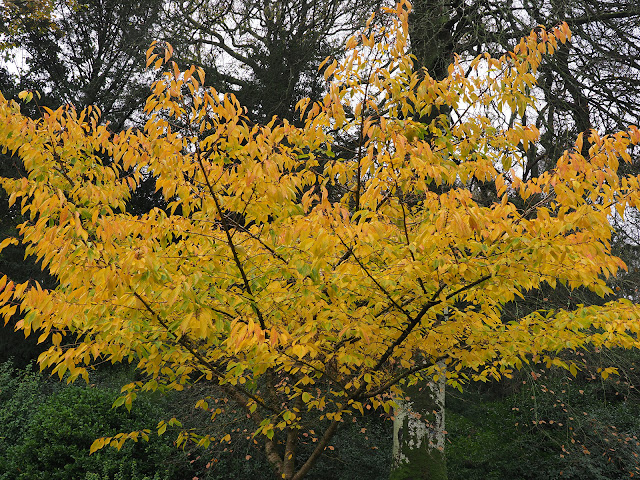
(419,434)
(431,32)
(418,428)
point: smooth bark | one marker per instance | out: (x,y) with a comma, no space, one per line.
(419,433)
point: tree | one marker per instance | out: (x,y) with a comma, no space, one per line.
(15,16)
(302,309)
(267,52)
(590,83)
(91,54)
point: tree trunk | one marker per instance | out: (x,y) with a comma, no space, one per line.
(418,428)
(418,433)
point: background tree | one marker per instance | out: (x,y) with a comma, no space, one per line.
(91,54)
(591,82)
(266,52)
(19,16)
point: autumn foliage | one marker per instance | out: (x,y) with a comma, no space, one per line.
(308,284)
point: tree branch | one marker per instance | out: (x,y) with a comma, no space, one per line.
(397,378)
(235,391)
(322,444)
(232,246)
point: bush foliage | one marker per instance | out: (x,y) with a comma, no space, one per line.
(47,433)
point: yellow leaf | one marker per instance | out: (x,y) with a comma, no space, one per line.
(162,427)
(8,241)
(98,444)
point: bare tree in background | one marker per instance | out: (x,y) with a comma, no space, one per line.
(90,53)
(593,82)
(268,51)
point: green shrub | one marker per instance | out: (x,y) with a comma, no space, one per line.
(484,443)
(20,392)
(547,424)
(56,440)
(362,451)
(124,473)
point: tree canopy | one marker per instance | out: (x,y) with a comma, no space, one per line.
(298,305)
